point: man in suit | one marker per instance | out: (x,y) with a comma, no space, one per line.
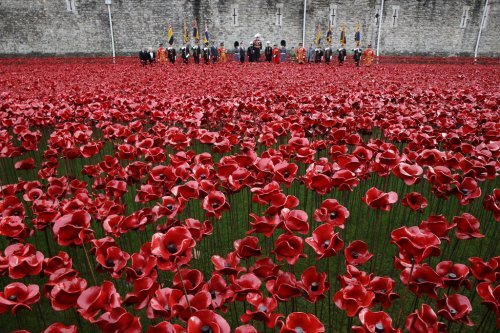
(214,53)
(196,54)
(357,55)
(171,54)
(206,54)
(250,53)
(342,54)
(268,52)
(185,53)
(151,56)
(143,56)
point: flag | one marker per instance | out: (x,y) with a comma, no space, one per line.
(170,35)
(196,35)
(206,38)
(329,34)
(357,35)
(318,35)
(186,34)
(342,35)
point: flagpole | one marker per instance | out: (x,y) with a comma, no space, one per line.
(480,29)
(304,25)
(379,26)
(108,3)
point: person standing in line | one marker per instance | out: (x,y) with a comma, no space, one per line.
(283,51)
(171,54)
(250,53)
(236,51)
(151,56)
(185,53)
(162,54)
(276,54)
(242,52)
(206,54)
(222,53)
(311,54)
(268,52)
(214,53)
(301,54)
(143,56)
(368,56)
(196,54)
(357,55)
(342,54)
(328,55)
(257,46)
(318,54)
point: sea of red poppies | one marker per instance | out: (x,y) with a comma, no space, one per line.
(248,198)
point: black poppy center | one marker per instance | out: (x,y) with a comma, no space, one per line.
(110,263)
(161,176)
(215,205)
(379,328)
(172,248)
(299,329)
(203,176)
(170,206)
(138,271)
(326,244)
(167,308)
(333,215)
(35,196)
(206,329)
(420,280)
(227,265)
(286,174)
(15,213)
(213,294)
(465,191)
(452,275)
(314,286)
(355,254)
(453,312)
(263,308)
(13,298)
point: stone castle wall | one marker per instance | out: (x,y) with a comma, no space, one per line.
(418,27)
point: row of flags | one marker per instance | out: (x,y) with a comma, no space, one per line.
(329,34)
(196,35)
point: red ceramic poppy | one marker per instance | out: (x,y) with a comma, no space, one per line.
(26,164)
(198,229)
(21,260)
(61,328)
(455,308)
(410,174)
(375,322)
(118,320)
(383,289)
(294,221)
(262,310)
(245,329)
(492,203)
(247,247)
(313,284)
(377,199)
(14,228)
(415,201)
(61,260)
(325,242)
(73,228)
(490,296)
(192,280)
(424,280)
(453,275)
(207,321)
(214,204)
(112,260)
(17,296)
(220,292)
(415,244)
(288,247)
(143,290)
(353,298)
(228,265)
(424,320)
(264,225)
(284,286)
(174,248)
(265,268)
(331,212)
(64,290)
(356,253)
(166,327)
(467,190)
(300,322)
(438,225)
(467,227)
(485,271)
(95,299)
(162,303)
(354,276)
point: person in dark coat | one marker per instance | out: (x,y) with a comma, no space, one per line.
(318,54)
(342,54)
(268,52)
(328,55)
(206,54)
(151,56)
(242,53)
(144,56)
(171,54)
(257,46)
(357,55)
(185,53)
(196,54)
(250,53)
(214,53)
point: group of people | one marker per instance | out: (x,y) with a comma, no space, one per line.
(273,54)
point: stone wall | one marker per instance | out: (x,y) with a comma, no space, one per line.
(430,27)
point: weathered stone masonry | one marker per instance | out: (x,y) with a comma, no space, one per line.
(432,27)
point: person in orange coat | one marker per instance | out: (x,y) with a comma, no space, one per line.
(162,55)
(276,54)
(368,56)
(301,54)
(222,53)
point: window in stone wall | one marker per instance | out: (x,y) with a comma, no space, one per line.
(279,14)
(377,15)
(465,16)
(486,14)
(234,15)
(395,16)
(332,16)
(71,6)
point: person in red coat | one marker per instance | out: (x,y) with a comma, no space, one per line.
(276,54)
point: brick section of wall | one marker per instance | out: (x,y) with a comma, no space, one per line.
(429,27)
